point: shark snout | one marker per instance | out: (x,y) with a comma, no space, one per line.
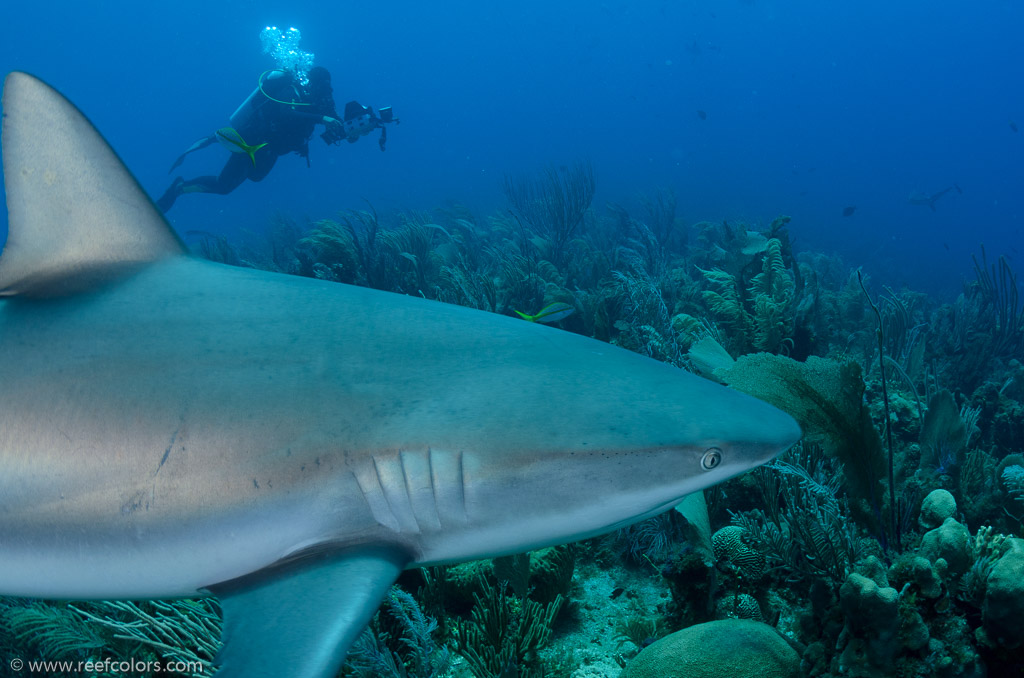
(776,433)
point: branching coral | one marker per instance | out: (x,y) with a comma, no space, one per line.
(646,324)
(181,630)
(807,530)
(1013,481)
(504,633)
(761,320)
(725,303)
(1000,297)
(553,204)
(407,651)
(771,292)
(186,631)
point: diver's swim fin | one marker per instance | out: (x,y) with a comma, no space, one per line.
(200,144)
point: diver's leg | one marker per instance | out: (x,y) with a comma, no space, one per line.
(264,163)
(234,173)
(231,177)
(166,201)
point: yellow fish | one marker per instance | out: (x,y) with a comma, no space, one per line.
(551,313)
(230,139)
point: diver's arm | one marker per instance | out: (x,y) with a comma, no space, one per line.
(295,114)
(317,118)
(333,125)
(327,121)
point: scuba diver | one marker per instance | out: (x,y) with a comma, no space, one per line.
(278,118)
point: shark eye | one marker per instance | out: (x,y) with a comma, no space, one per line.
(711,459)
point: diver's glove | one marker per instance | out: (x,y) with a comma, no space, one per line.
(359,121)
(335,130)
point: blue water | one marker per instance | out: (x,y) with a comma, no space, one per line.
(810,107)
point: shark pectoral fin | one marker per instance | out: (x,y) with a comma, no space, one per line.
(299,619)
(77,216)
(694,508)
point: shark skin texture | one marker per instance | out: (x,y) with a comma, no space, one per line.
(173,427)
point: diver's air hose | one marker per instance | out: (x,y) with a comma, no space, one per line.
(264,92)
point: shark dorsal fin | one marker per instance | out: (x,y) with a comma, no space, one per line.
(77,217)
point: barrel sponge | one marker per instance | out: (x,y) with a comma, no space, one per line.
(936,507)
(728,647)
(868,606)
(1003,609)
(951,542)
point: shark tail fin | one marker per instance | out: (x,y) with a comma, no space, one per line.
(77,216)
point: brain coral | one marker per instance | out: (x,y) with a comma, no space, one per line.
(729,647)
(728,544)
(739,606)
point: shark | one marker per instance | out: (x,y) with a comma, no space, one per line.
(931,199)
(172,427)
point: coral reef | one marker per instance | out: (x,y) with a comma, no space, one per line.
(869,641)
(799,543)
(1003,610)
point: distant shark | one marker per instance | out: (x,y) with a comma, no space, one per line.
(174,427)
(930,200)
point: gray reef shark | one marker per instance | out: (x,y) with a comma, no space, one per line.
(174,427)
(931,199)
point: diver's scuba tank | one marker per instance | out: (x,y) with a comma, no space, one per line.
(278,81)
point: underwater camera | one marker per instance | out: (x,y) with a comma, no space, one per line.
(359,121)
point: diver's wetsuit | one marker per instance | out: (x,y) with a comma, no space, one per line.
(284,128)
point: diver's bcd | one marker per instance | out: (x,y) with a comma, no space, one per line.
(275,85)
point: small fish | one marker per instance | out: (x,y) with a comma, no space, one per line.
(1013,125)
(702,115)
(848,211)
(230,139)
(551,313)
